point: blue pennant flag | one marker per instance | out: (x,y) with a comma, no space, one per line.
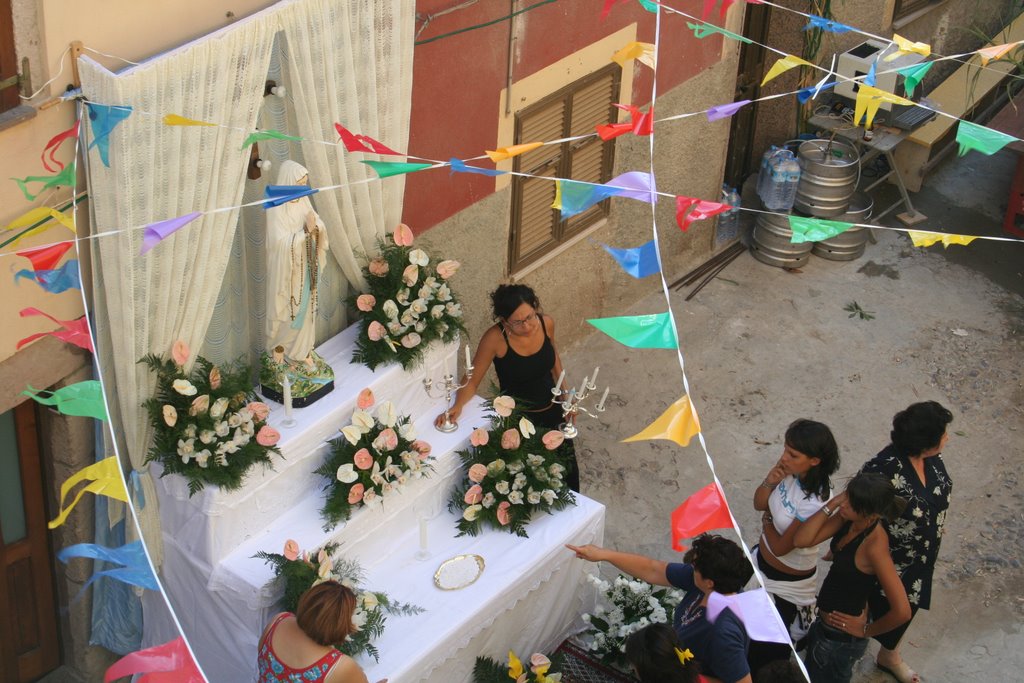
(807,93)
(459,166)
(826,25)
(276,195)
(104,118)
(871,78)
(54,281)
(639,261)
(134,569)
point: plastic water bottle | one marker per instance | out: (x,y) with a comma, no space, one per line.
(729,221)
(782,178)
(764,173)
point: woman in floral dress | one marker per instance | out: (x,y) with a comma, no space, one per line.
(914,465)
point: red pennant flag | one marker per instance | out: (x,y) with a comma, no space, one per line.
(608,7)
(701,209)
(167,663)
(73,331)
(640,123)
(45,258)
(363,143)
(703,511)
(54,144)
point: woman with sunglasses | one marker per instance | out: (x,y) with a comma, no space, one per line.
(521,344)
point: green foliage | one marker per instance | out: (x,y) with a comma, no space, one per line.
(487,670)
(854,309)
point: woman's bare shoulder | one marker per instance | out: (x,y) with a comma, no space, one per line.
(346,671)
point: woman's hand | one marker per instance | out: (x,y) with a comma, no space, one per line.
(837,502)
(311,226)
(775,475)
(589,552)
(453,414)
(847,623)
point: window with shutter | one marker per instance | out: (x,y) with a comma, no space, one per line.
(573,111)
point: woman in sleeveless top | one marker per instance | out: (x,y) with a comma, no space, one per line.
(860,563)
(793,490)
(521,344)
(300,648)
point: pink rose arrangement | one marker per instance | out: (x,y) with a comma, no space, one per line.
(512,472)
(375,456)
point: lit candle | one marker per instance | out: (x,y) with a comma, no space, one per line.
(286,398)
(423,533)
(604,397)
(561,378)
(469,361)
(593,380)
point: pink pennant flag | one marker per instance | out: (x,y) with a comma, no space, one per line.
(710,4)
(167,663)
(722,111)
(703,511)
(46,258)
(608,7)
(73,331)
(157,232)
(53,145)
(701,209)
(755,609)
(363,143)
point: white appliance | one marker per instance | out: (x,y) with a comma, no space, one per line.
(856,63)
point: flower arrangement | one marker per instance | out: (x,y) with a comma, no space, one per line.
(486,670)
(207,425)
(634,604)
(512,472)
(409,304)
(300,571)
(375,456)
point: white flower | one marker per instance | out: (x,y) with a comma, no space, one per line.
(533,498)
(418,307)
(370,600)
(362,421)
(418,257)
(420,325)
(387,489)
(502,487)
(221,428)
(221,459)
(371,499)
(396,328)
(249,428)
(408,318)
(186,449)
(516,497)
(454,310)
(218,408)
(184,387)
(470,513)
(234,420)
(386,414)
(352,434)
(359,616)
(403,296)
(202,457)
(549,496)
(437,311)
(190,430)
(207,436)
(244,414)
(444,293)
(556,469)
(534,460)
(347,473)
(526,428)
(407,431)
(515,467)
(488,500)
(390,309)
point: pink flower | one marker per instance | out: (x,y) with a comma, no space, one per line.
(474,495)
(179,352)
(421,447)
(402,235)
(355,494)
(553,439)
(411,275)
(267,436)
(378,267)
(215,378)
(366,302)
(259,410)
(504,405)
(510,439)
(539,661)
(447,268)
(411,340)
(479,437)
(363,459)
(386,440)
(365,399)
(503,516)
(376,331)
(477,473)
(291,550)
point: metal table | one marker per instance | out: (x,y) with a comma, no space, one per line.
(883,142)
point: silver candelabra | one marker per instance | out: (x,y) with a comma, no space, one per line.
(449,386)
(572,403)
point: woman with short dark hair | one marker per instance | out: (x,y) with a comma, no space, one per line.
(300,647)
(913,463)
(657,656)
(712,564)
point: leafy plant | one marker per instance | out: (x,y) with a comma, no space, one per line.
(854,309)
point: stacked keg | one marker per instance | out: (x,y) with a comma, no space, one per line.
(828,181)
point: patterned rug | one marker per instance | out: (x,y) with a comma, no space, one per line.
(579,667)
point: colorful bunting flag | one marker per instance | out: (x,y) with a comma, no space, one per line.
(653,331)
(912,75)
(503,153)
(986,140)
(83,399)
(651,6)
(276,195)
(703,30)
(161,230)
(996,51)
(927,239)
(641,52)
(459,166)
(678,424)
(812,91)
(104,118)
(701,209)
(50,161)
(639,261)
(869,99)
(721,111)
(755,609)
(709,5)
(782,65)
(46,258)
(363,143)
(54,281)
(40,217)
(608,7)
(73,331)
(167,663)
(827,25)
(134,569)
(573,197)
(871,78)
(176,120)
(65,178)
(640,123)
(905,47)
(261,135)
(814,229)
(386,169)
(703,511)
(104,479)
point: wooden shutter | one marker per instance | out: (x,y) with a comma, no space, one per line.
(8,58)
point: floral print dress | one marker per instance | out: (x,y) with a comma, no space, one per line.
(914,538)
(272,670)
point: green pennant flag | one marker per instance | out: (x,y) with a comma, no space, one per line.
(84,399)
(651,7)
(65,178)
(267,135)
(814,229)
(703,30)
(912,75)
(987,141)
(652,331)
(387,169)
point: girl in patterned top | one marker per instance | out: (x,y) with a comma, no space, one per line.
(300,648)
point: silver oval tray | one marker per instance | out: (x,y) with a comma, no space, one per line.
(458,572)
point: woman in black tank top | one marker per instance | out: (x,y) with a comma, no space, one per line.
(860,562)
(521,344)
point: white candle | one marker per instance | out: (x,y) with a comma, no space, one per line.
(423,533)
(593,380)
(583,387)
(286,398)
(604,397)
(469,361)
(561,377)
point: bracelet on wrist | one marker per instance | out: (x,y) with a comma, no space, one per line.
(766,485)
(827,510)
(865,633)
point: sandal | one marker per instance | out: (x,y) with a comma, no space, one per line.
(902,673)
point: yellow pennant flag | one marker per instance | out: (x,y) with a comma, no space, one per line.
(679,423)
(40,213)
(503,153)
(105,480)
(641,52)
(869,98)
(175,120)
(905,46)
(927,239)
(995,51)
(782,65)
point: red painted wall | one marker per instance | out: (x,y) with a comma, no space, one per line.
(457,80)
